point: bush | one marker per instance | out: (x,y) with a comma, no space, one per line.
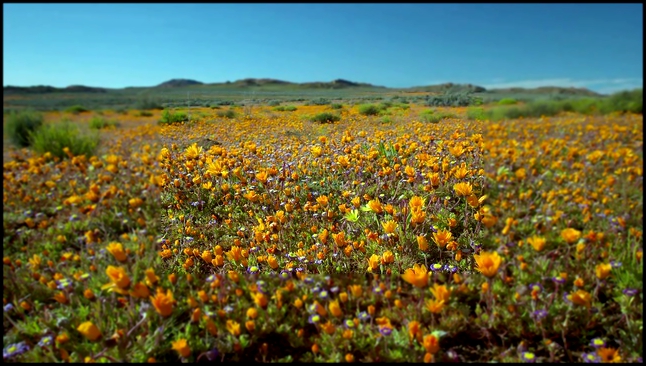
(336,106)
(147,103)
(369,109)
(429,116)
(145,114)
(20,125)
(273,103)
(507,101)
(99,123)
(287,108)
(477,113)
(319,101)
(229,113)
(169,117)
(55,138)
(76,109)
(453,100)
(625,101)
(325,117)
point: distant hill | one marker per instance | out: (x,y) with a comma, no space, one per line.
(42,89)
(334,84)
(178,83)
(447,88)
(549,90)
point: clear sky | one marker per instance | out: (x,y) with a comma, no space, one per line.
(598,46)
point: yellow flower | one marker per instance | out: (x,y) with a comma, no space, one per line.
(250,325)
(440,292)
(537,242)
(163,302)
(463,189)
(233,327)
(414,330)
(118,276)
(260,299)
(435,306)
(252,313)
(151,278)
(181,346)
(335,309)
(603,270)
(373,262)
(570,235)
(193,151)
(416,276)
(580,297)
(389,226)
(488,263)
(116,249)
(442,237)
(89,331)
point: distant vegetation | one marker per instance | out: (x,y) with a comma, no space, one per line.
(20,125)
(326,117)
(64,139)
(169,117)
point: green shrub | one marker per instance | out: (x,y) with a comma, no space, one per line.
(229,113)
(147,103)
(453,100)
(336,106)
(145,114)
(319,101)
(169,117)
(477,113)
(325,117)
(386,120)
(507,101)
(625,101)
(285,108)
(54,138)
(273,103)
(430,116)
(99,123)
(369,109)
(20,125)
(76,109)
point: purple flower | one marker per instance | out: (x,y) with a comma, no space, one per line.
(211,278)
(46,341)
(8,307)
(559,280)
(450,268)
(597,342)
(253,270)
(630,292)
(385,330)
(323,294)
(15,350)
(364,315)
(528,357)
(349,323)
(284,275)
(591,358)
(533,285)
(539,314)
(314,318)
(212,354)
(615,264)
(436,267)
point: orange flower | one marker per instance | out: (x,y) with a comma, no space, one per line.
(488,263)
(89,331)
(580,297)
(181,346)
(422,243)
(414,330)
(431,343)
(416,276)
(260,299)
(388,257)
(335,309)
(435,306)
(440,292)
(163,302)
(463,189)
(442,237)
(140,291)
(609,355)
(375,206)
(570,235)
(603,270)
(416,202)
(118,276)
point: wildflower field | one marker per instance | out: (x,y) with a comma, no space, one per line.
(268,237)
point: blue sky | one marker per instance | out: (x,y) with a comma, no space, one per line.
(598,46)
